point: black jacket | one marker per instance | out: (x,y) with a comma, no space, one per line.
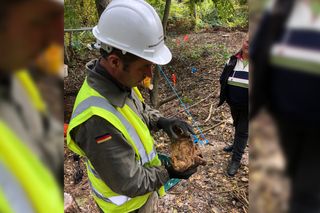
(227,70)
(270,28)
(287,94)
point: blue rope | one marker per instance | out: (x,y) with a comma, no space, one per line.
(195,137)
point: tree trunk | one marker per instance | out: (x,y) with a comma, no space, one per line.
(194,13)
(101,5)
(194,7)
(154,94)
(166,16)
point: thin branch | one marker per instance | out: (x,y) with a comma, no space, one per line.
(214,126)
(244,209)
(79,29)
(195,104)
(66,54)
(209,116)
(227,121)
(168,99)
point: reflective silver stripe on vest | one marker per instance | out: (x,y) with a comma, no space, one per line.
(92,170)
(152,154)
(117,200)
(103,103)
(14,194)
(98,194)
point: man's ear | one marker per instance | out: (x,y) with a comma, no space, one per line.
(114,61)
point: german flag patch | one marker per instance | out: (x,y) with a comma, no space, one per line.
(103,138)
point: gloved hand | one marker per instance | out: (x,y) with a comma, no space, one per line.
(181,175)
(169,125)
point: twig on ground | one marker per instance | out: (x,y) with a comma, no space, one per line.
(209,116)
(214,126)
(227,121)
(237,193)
(230,190)
(244,209)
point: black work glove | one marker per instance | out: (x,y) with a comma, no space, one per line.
(181,175)
(169,126)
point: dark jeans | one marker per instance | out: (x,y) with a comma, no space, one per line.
(300,146)
(240,123)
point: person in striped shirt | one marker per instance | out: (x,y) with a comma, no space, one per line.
(234,82)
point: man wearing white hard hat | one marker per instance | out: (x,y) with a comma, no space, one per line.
(110,124)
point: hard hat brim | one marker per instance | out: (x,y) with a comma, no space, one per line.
(162,57)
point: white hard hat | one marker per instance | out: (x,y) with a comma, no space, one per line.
(58,1)
(133,26)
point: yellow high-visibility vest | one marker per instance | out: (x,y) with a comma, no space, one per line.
(39,189)
(88,103)
(33,184)
(32,90)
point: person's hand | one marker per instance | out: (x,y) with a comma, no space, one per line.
(181,175)
(170,125)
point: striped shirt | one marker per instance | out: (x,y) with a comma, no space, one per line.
(295,67)
(238,83)
(240,75)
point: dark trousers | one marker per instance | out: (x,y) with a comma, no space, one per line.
(300,146)
(240,123)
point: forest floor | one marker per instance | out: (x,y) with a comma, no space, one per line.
(210,189)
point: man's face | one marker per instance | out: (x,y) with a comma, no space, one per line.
(135,72)
(245,45)
(28,28)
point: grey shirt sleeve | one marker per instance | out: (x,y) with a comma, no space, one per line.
(114,160)
(149,115)
(152,115)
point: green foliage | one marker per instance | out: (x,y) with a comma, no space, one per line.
(186,100)
(80,13)
(186,15)
(225,9)
(195,54)
(223,52)
(158,5)
(243,2)
(225,13)
(179,16)
(80,41)
(179,10)
(240,17)
(77,14)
